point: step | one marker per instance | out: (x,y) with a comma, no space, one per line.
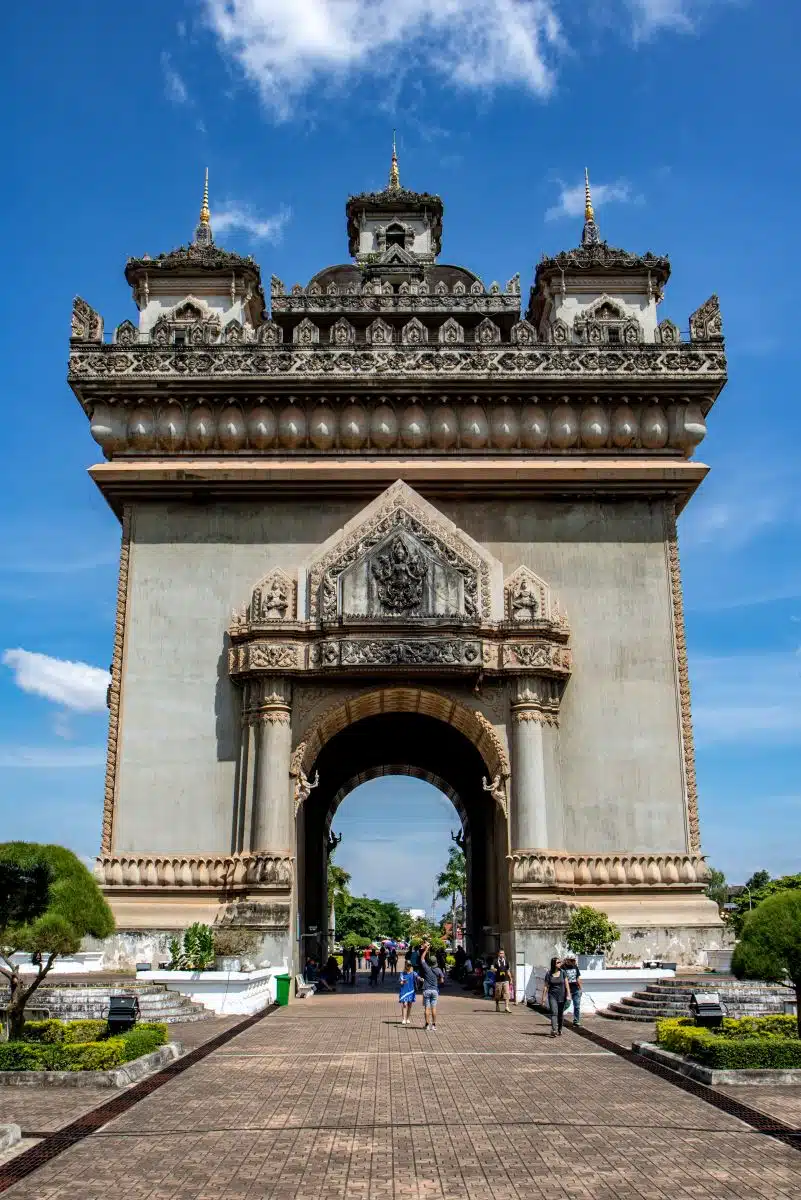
(612,1014)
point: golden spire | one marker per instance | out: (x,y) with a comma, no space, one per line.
(394,174)
(589,215)
(205,215)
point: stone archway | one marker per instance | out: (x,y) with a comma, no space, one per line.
(412,732)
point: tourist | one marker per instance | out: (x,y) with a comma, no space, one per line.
(503,980)
(414,957)
(392,959)
(555,995)
(459,960)
(489,983)
(329,976)
(382,962)
(442,959)
(407,992)
(375,967)
(574,982)
(431,976)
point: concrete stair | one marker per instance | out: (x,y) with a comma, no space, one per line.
(75,1002)
(671,998)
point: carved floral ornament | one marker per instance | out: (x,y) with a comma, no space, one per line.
(400,586)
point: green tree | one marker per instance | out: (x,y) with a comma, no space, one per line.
(758,880)
(395,923)
(770,946)
(452,882)
(717,888)
(362,917)
(590,931)
(749,902)
(48,903)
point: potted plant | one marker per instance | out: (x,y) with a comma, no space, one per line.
(195,952)
(231,944)
(591,935)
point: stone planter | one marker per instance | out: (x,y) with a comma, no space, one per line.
(222,992)
(227,962)
(591,962)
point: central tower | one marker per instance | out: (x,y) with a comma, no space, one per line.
(396,525)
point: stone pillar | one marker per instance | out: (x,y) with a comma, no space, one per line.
(536,803)
(271,827)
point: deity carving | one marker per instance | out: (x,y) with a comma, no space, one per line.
(274,602)
(399,573)
(524,600)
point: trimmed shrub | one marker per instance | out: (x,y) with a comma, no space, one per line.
(749,1043)
(57,1049)
(64,1032)
(143,1039)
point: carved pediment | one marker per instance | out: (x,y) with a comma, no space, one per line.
(402,577)
(273,598)
(528,598)
(401,557)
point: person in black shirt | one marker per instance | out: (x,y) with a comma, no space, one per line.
(503,980)
(556,994)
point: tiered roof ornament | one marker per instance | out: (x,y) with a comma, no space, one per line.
(590,235)
(203,234)
(394,173)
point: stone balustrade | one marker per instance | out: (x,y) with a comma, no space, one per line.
(396,424)
(548,869)
(238,871)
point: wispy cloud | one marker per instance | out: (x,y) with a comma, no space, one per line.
(571,199)
(52,758)
(747,699)
(175,89)
(283,47)
(650,17)
(74,685)
(260,229)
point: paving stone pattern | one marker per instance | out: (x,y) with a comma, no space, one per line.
(332,1097)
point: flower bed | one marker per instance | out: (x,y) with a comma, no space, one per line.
(78,1046)
(750,1043)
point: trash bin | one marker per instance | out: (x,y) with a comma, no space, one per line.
(282,983)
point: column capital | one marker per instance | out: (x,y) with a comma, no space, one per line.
(270,702)
(536,698)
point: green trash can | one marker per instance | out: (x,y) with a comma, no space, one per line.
(282,983)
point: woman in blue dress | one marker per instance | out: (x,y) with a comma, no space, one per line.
(406,980)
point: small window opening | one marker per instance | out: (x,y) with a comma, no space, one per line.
(613,335)
(179,339)
(396,235)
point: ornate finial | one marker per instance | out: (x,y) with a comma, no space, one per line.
(205,215)
(394,174)
(203,234)
(590,236)
(589,215)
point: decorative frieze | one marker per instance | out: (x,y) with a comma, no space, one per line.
(220,872)
(98,362)
(451,425)
(562,869)
(682,671)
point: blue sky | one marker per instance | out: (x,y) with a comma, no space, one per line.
(684,111)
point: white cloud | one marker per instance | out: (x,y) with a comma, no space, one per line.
(174,87)
(261,229)
(74,685)
(284,46)
(51,758)
(652,16)
(747,699)
(571,199)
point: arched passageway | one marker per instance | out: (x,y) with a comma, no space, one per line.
(407,743)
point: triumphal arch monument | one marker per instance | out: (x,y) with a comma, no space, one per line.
(400,521)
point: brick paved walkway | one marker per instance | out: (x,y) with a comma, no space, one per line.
(332,1097)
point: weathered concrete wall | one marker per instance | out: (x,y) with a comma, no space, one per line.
(619,736)
(619,741)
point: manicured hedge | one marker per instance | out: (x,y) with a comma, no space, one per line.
(48,1053)
(64,1031)
(750,1043)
